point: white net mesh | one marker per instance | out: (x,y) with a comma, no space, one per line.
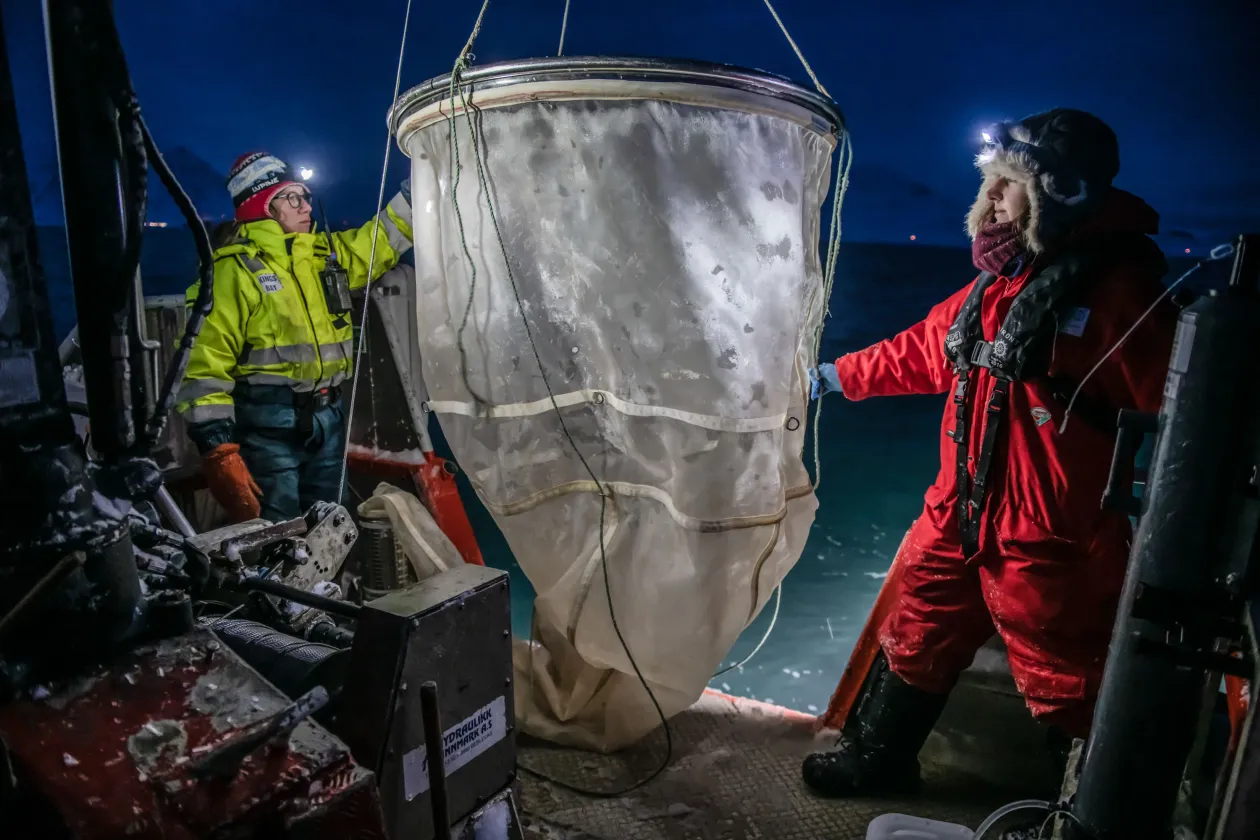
(666,256)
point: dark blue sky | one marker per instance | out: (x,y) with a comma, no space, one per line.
(312,80)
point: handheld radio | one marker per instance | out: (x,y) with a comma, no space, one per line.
(334,279)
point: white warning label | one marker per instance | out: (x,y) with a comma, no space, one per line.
(461,744)
(1183,342)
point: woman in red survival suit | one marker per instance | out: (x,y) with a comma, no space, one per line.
(1012,536)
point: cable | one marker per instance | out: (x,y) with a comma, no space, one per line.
(478,146)
(997,816)
(778,599)
(1218,253)
(477,140)
(564,25)
(204,303)
(376,229)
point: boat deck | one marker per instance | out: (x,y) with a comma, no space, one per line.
(735,774)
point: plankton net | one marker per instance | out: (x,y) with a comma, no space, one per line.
(618,295)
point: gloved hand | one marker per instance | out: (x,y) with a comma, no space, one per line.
(825,381)
(405,189)
(230,482)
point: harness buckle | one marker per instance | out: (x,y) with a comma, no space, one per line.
(998,397)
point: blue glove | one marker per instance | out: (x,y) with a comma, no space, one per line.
(825,381)
(405,189)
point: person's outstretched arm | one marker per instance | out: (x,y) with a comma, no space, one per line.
(911,362)
(393,239)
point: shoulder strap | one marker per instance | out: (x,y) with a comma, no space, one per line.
(1020,350)
(965,332)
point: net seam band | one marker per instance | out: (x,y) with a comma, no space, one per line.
(598,397)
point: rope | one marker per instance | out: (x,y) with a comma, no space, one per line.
(797,50)
(844,164)
(461,61)
(376,229)
(844,167)
(564,25)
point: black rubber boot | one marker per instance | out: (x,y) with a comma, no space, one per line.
(878,754)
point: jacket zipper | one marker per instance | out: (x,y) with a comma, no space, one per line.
(319,354)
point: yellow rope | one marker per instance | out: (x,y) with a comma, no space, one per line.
(797,50)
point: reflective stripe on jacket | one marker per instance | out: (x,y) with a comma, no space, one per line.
(270,324)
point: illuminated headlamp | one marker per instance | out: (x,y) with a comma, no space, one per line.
(1036,161)
(996,138)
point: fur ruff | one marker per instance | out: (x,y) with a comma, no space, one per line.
(1013,166)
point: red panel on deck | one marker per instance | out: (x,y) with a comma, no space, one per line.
(113,752)
(434,481)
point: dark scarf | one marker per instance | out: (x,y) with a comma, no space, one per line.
(997,245)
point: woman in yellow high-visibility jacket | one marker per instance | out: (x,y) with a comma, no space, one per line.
(262,392)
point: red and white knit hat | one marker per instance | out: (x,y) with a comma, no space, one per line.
(253,182)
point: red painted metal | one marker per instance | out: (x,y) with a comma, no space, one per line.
(1237,702)
(864,652)
(434,481)
(112,752)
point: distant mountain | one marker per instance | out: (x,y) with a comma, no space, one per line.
(168,265)
(203,184)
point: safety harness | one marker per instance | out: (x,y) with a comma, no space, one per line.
(1020,352)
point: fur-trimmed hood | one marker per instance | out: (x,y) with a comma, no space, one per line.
(1066,159)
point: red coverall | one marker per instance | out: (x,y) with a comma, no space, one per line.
(1051,563)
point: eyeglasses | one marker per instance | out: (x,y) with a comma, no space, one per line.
(295,199)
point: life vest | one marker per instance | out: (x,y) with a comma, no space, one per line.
(1020,352)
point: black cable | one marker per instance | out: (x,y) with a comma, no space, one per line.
(204,303)
(456,80)
(476,129)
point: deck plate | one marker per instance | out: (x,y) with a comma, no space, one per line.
(735,774)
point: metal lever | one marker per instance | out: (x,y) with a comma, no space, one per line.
(1132,427)
(226,759)
(436,757)
(331,606)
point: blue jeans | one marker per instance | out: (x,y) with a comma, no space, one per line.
(293,468)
